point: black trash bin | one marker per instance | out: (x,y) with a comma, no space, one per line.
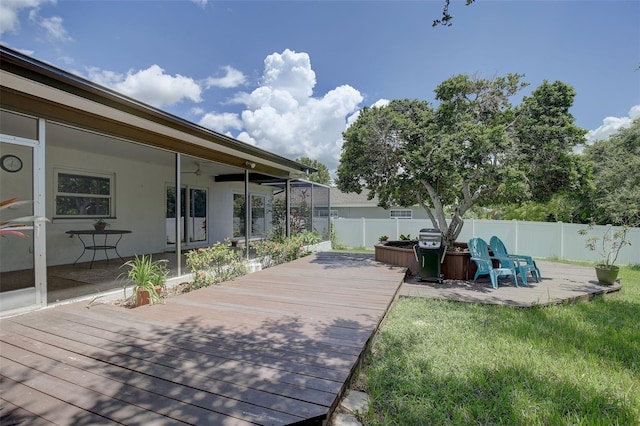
(429,251)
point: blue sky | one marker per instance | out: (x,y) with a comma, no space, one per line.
(288,76)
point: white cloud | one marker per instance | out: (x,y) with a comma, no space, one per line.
(10,10)
(290,72)
(233,78)
(610,125)
(221,122)
(283,117)
(377,104)
(201,3)
(152,85)
(55,29)
(10,18)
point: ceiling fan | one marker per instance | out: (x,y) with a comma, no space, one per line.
(198,170)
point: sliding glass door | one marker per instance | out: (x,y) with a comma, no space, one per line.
(193,206)
(23,281)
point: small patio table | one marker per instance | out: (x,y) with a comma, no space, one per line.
(91,244)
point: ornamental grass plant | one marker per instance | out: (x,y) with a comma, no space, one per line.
(438,362)
(147,275)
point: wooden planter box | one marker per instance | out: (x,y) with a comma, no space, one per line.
(397,256)
(457,265)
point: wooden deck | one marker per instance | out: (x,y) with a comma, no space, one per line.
(560,283)
(274,347)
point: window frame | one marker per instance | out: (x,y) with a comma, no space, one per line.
(111,177)
(393,214)
(251,210)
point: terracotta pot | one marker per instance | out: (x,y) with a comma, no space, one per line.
(100,226)
(143,297)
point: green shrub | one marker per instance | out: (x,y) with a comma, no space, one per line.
(273,252)
(215,264)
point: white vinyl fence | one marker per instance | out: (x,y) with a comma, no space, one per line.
(537,239)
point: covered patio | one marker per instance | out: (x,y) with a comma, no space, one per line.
(83,152)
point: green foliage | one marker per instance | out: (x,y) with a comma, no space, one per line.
(322,176)
(215,264)
(278,211)
(300,213)
(275,252)
(444,363)
(475,148)
(146,274)
(446,16)
(616,161)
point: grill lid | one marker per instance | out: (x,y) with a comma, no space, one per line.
(429,238)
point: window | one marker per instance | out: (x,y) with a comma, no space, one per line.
(258,215)
(80,194)
(320,212)
(401,214)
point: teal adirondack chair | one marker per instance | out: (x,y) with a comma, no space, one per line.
(479,251)
(526,264)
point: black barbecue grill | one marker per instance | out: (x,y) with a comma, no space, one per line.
(429,251)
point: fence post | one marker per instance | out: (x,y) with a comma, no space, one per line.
(561,240)
(515,234)
(364,232)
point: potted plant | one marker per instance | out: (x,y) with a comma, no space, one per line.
(100,224)
(608,247)
(149,279)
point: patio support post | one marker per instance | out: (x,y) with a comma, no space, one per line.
(313,188)
(39,203)
(287,198)
(177,218)
(247,213)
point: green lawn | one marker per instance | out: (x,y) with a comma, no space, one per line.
(442,363)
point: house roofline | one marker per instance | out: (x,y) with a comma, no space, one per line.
(28,67)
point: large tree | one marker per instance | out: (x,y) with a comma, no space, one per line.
(616,165)
(322,175)
(446,16)
(474,148)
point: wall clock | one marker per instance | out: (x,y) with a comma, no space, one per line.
(11,163)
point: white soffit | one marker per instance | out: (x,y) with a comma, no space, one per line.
(70,100)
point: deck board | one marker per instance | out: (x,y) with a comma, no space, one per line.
(271,348)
